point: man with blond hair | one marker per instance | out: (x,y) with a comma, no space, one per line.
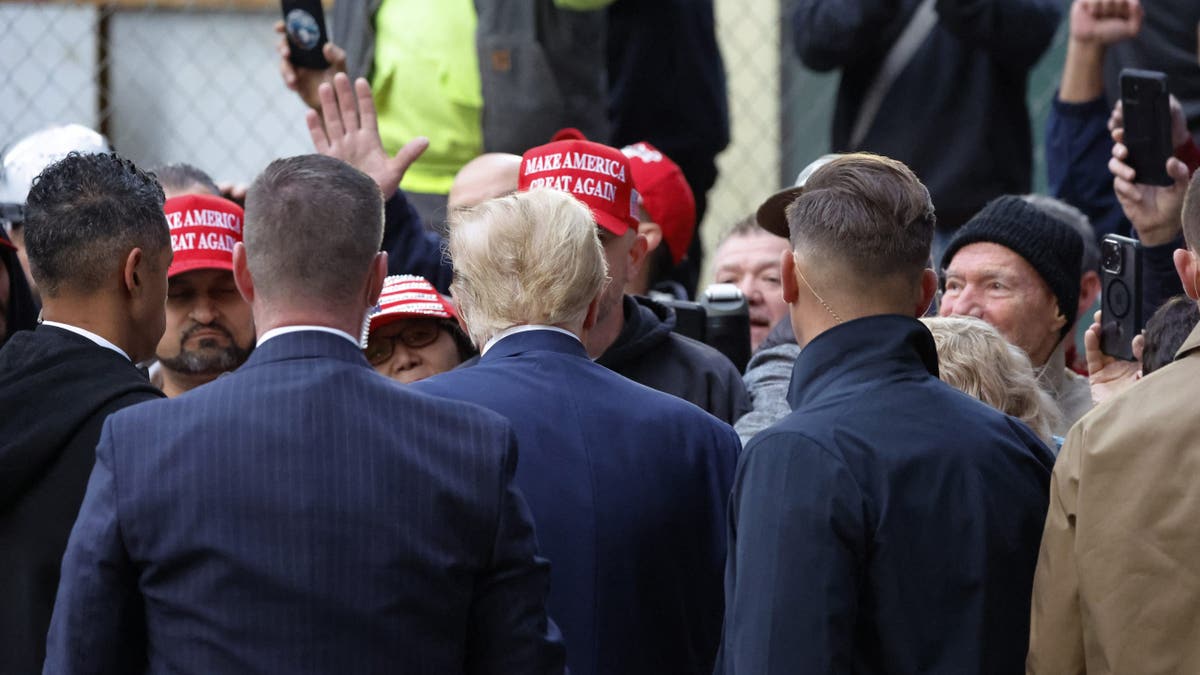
(627,485)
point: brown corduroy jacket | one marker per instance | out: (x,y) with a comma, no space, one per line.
(1117,588)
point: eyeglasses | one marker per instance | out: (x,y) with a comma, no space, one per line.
(415,334)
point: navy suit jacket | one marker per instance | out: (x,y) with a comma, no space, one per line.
(628,488)
(303,514)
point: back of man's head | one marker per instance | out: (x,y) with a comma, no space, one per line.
(313,225)
(863,219)
(529,258)
(1191,214)
(183,179)
(84,214)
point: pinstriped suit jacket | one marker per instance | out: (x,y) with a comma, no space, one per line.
(303,515)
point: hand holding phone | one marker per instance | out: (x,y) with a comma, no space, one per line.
(1109,376)
(304,25)
(1146,109)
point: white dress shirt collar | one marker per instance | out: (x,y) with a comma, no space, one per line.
(284,330)
(89,335)
(525,328)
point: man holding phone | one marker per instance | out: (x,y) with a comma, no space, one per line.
(1119,545)
(1080,152)
(472,77)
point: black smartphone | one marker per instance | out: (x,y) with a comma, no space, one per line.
(1146,105)
(1120,295)
(304,21)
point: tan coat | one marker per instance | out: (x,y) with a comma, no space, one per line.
(1117,588)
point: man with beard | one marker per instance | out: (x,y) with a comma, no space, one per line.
(209,327)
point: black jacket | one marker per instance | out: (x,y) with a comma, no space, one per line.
(889,524)
(648,352)
(956,115)
(56,389)
(666,80)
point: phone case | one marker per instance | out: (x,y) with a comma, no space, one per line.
(304,21)
(1120,295)
(1146,105)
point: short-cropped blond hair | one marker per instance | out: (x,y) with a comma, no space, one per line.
(529,258)
(974,358)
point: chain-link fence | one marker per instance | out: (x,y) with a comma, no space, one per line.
(197,81)
(166,81)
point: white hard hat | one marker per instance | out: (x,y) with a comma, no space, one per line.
(26,158)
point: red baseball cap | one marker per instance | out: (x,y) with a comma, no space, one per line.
(406,296)
(665,195)
(595,174)
(204,229)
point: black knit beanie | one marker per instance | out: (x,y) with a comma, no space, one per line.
(1051,246)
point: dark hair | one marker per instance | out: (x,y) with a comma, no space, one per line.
(313,225)
(1167,330)
(866,211)
(185,178)
(84,213)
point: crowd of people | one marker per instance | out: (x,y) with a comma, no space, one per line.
(420,401)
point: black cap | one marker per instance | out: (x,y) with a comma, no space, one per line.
(1049,245)
(772,214)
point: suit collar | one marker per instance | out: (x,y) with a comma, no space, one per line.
(307,344)
(535,340)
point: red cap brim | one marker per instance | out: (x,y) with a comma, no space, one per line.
(191,265)
(608,221)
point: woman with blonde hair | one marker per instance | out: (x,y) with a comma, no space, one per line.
(974,358)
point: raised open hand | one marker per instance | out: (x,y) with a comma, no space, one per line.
(347,129)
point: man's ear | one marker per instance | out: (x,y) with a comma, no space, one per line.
(787,274)
(1089,290)
(637,257)
(593,312)
(241,273)
(929,287)
(376,278)
(1187,267)
(134,271)
(653,234)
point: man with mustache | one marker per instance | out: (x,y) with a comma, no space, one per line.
(209,327)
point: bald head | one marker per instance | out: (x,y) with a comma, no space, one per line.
(487,176)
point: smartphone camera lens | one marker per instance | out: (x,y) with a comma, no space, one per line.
(1111,257)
